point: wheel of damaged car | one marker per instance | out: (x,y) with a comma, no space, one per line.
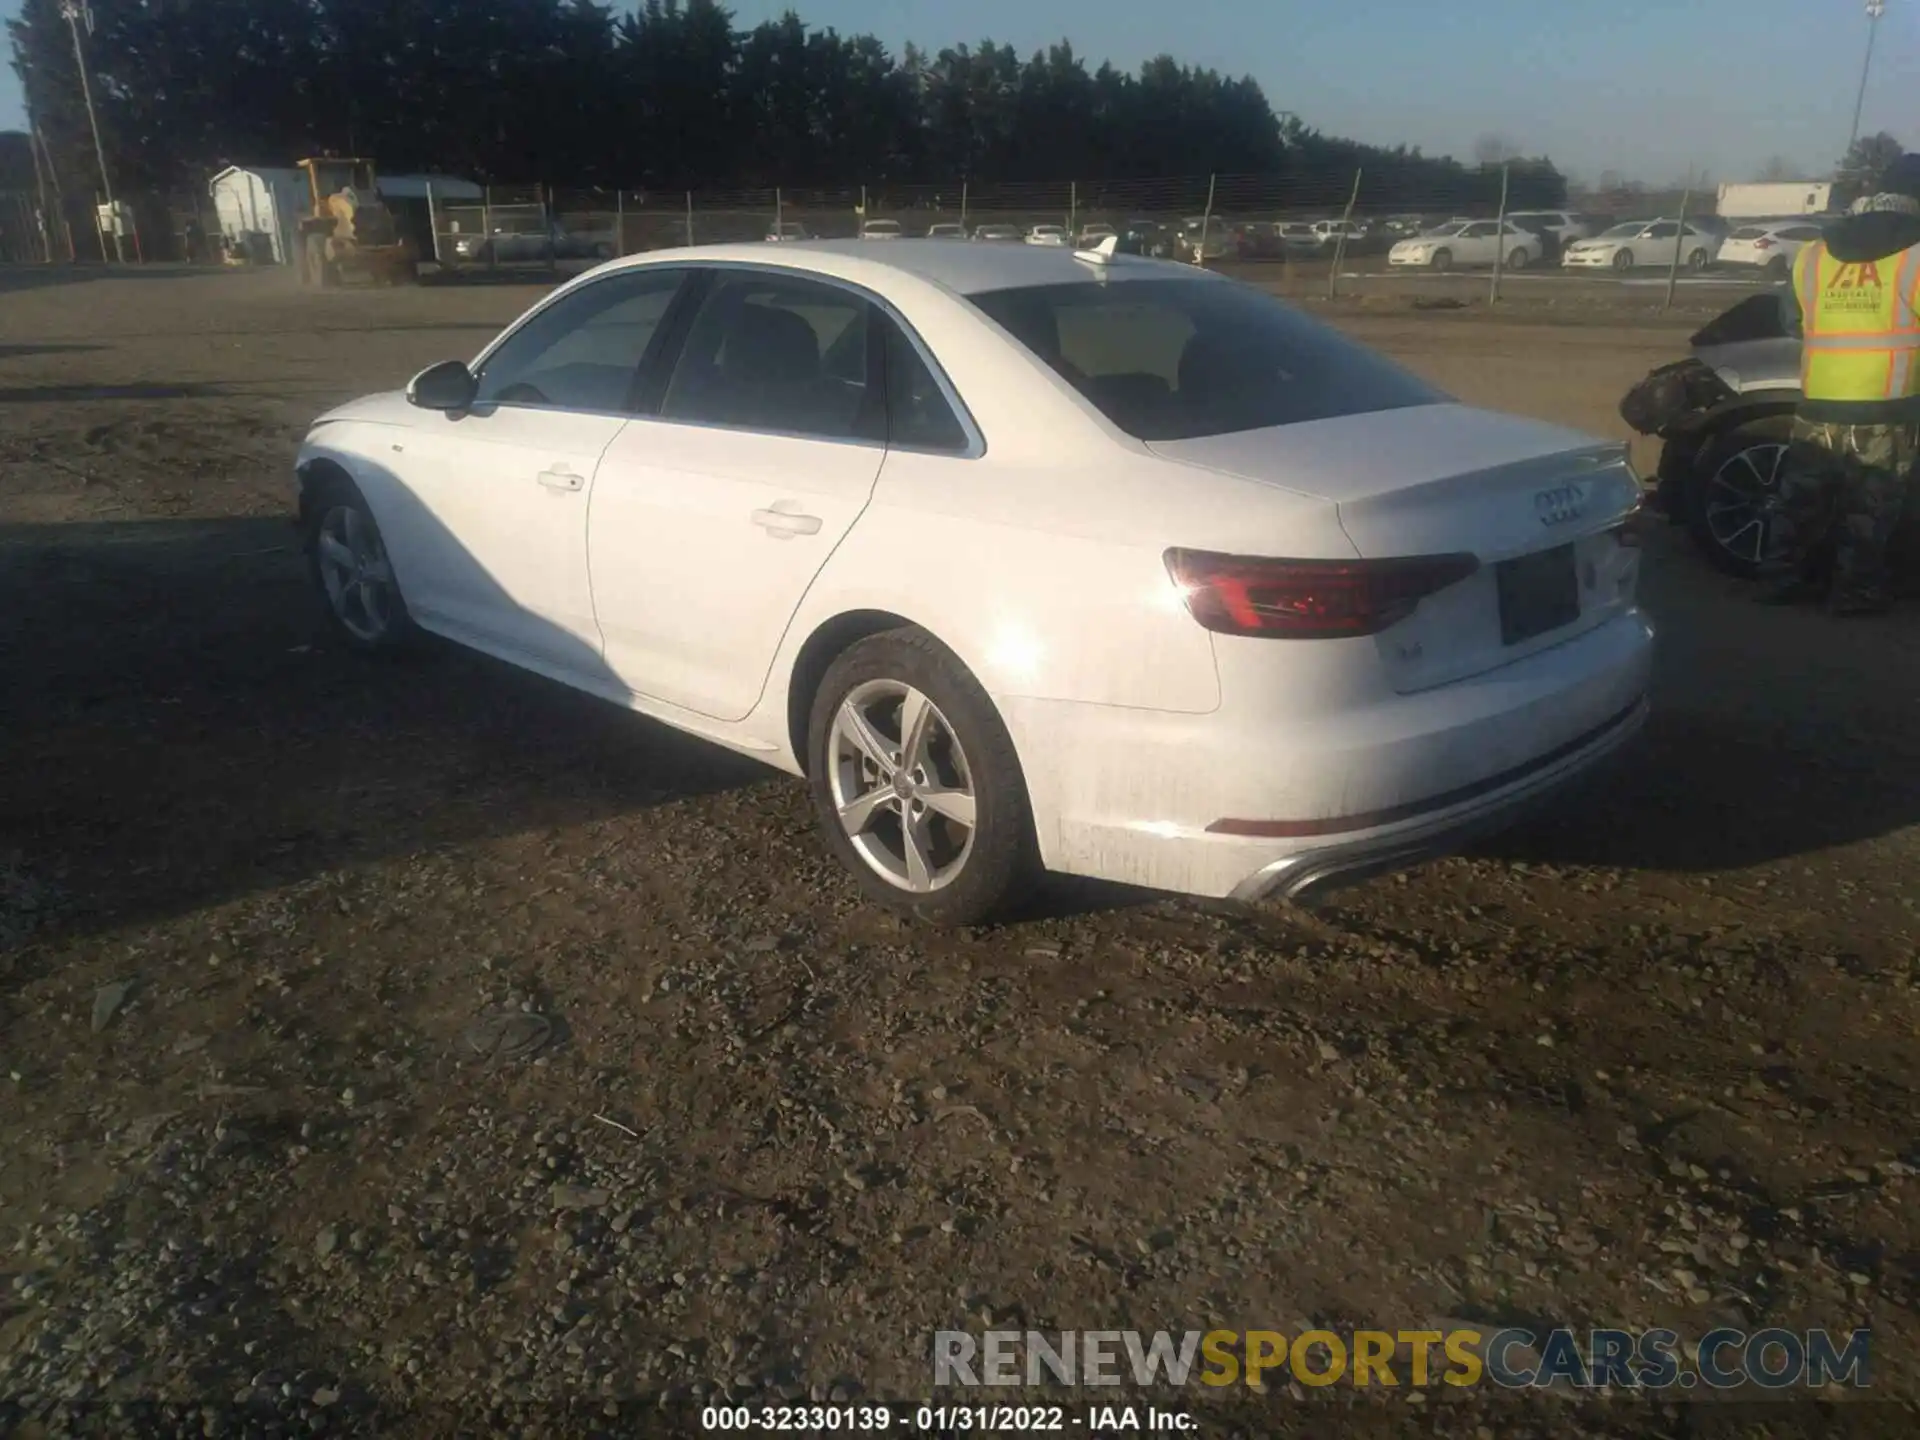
(1737,478)
(916,784)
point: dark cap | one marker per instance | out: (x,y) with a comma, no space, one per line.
(1902,177)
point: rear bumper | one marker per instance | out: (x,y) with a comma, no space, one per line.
(1346,789)
(1442,829)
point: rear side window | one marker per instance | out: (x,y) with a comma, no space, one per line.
(778,354)
(1181,359)
(918,414)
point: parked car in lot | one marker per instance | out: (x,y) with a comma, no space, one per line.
(787,230)
(1463,244)
(1259,240)
(946,231)
(519,241)
(1147,237)
(1562,227)
(1054,235)
(1000,234)
(1643,242)
(1330,233)
(1768,246)
(1092,235)
(1202,238)
(880,230)
(1267,610)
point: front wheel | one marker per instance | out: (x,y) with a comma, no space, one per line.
(916,784)
(1442,260)
(352,571)
(1736,479)
(1623,261)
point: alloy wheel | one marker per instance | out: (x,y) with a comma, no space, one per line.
(356,573)
(901,785)
(1736,497)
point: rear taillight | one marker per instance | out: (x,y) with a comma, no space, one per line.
(1763,243)
(1309,599)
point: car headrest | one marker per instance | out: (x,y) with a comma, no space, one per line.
(1211,362)
(770,345)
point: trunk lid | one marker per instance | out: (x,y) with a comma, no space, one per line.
(1436,479)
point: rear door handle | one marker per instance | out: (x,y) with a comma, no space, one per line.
(560,478)
(783,525)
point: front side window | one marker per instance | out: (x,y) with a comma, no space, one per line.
(770,352)
(1181,359)
(583,351)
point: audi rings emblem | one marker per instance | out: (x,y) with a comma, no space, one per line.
(1561,505)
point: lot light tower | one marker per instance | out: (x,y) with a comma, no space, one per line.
(77,13)
(1875,9)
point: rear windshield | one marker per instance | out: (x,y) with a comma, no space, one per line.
(1182,359)
(1748,232)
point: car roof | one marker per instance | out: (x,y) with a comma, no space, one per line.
(956,265)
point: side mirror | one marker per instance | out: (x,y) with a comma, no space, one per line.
(448,386)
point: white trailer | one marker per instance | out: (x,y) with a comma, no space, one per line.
(1774,201)
(263,201)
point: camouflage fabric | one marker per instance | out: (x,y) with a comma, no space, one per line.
(1841,493)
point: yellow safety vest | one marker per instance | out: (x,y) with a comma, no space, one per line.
(1860,322)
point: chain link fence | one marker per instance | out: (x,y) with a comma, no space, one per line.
(1315,234)
(1330,231)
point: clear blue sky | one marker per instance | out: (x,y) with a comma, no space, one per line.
(1650,88)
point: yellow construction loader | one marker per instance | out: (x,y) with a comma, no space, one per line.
(349,231)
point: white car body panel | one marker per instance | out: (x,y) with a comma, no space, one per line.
(676,506)
(1140,733)
(490,519)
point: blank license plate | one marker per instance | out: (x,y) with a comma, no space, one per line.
(1538,593)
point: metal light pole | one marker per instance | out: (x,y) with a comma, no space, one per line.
(1875,9)
(74,12)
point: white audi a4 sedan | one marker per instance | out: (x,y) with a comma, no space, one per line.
(1026,558)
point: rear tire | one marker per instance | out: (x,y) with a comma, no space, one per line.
(313,259)
(1777,269)
(1698,261)
(1518,258)
(869,801)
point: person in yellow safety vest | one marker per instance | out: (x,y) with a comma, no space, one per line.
(1855,305)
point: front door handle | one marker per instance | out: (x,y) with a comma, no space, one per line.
(783,525)
(560,478)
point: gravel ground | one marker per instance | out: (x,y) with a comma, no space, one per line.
(431,1048)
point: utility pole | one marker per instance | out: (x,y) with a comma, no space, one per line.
(1875,9)
(42,220)
(74,12)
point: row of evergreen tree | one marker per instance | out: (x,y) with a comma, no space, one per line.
(675,95)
